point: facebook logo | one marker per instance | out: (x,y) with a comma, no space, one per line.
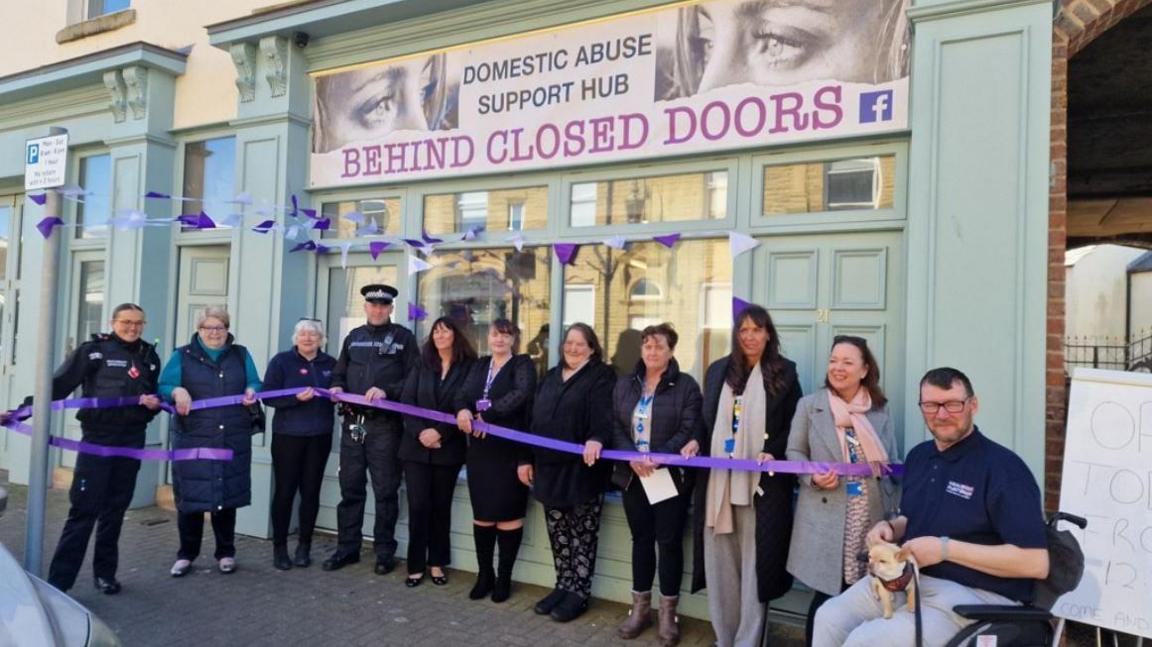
(33,153)
(875,106)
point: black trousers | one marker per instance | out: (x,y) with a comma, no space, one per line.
(191,527)
(376,456)
(653,527)
(430,489)
(574,532)
(101,491)
(297,465)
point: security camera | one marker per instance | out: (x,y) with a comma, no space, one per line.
(300,39)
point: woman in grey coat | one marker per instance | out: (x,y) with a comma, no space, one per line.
(844,422)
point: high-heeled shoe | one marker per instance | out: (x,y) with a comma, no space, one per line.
(414,581)
(441,579)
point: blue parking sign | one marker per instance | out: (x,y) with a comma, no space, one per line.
(33,153)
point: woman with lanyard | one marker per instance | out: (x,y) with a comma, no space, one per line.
(499,390)
(573,404)
(745,523)
(657,409)
(432,452)
(844,422)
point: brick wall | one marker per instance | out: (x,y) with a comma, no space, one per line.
(1077,23)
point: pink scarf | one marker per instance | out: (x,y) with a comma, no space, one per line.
(847,415)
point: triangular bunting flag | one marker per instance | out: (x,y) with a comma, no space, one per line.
(565,252)
(739,243)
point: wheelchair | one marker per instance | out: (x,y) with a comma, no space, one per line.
(1029,625)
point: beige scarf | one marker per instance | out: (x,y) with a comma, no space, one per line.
(727,488)
(852,414)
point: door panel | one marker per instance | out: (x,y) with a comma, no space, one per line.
(820,286)
(85,317)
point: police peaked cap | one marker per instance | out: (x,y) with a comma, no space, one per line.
(379,293)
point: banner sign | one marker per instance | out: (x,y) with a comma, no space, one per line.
(692,78)
(1107,479)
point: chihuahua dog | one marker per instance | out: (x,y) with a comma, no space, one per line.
(893,569)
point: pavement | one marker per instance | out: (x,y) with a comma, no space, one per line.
(259,605)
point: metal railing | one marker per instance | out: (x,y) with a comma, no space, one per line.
(1109,352)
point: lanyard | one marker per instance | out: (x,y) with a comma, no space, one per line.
(737,413)
(491,377)
(640,434)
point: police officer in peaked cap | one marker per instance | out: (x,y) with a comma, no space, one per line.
(375,360)
(110,365)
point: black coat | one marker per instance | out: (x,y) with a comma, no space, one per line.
(774,506)
(674,418)
(425,389)
(577,410)
(512,393)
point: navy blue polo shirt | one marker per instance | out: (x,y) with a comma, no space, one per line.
(975,491)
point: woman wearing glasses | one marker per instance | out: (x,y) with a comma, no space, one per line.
(742,535)
(844,422)
(301,437)
(499,391)
(211,365)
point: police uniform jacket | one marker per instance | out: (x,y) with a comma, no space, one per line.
(380,356)
(109,367)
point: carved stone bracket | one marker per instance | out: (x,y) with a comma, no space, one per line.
(244,58)
(118,101)
(274,52)
(136,84)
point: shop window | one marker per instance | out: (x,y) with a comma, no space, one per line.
(358,218)
(619,293)
(210,179)
(478,286)
(90,305)
(97,8)
(644,200)
(94,208)
(495,210)
(858,183)
(346,305)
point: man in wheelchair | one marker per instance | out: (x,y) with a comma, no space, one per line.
(970,513)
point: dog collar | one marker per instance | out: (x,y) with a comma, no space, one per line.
(900,583)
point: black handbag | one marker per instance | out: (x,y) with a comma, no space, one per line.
(259,419)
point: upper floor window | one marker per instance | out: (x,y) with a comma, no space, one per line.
(643,200)
(838,185)
(210,178)
(97,8)
(517,209)
(94,208)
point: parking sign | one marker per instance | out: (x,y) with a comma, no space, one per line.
(45,162)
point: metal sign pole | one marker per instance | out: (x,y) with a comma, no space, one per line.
(42,394)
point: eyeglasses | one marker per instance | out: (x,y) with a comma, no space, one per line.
(951,406)
(216,329)
(130,323)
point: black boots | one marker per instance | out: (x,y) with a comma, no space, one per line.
(485,539)
(280,559)
(303,555)
(509,541)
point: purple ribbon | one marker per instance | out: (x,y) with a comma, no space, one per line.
(711,462)
(207,453)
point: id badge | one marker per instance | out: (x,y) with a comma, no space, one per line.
(483,404)
(855,488)
(729,445)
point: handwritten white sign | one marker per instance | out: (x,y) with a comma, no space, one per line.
(1108,481)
